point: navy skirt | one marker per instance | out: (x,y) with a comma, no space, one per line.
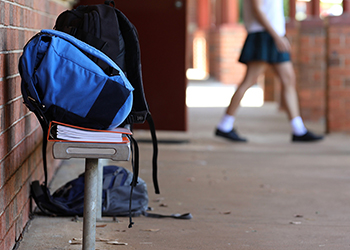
(260,46)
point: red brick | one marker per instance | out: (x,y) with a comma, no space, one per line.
(2,66)
(2,226)
(17,156)
(16,17)
(334,41)
(9,239)
(22,218)
(5,13)
(12,39)
(20,133)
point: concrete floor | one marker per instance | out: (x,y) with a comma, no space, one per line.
(266,194)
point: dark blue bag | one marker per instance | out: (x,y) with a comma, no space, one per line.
(68,200)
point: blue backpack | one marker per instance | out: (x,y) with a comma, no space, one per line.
(60,82)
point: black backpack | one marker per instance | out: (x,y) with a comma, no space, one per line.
(109,30)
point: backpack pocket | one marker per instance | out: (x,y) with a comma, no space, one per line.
(68,79)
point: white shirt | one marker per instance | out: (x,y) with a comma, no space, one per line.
(273,10)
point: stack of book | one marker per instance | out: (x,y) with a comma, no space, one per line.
(65,132)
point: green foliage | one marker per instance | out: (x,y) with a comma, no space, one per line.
(286,8)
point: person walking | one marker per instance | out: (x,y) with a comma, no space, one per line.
(265,45)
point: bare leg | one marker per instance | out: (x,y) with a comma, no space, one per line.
(254,70)
(285,72)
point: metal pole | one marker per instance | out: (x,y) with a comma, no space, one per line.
(101,163)
(90,191)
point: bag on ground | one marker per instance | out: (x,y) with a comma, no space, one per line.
(68,200)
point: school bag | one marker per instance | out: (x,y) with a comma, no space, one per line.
(68,200)
(110,32)
(106,28)
(59,82)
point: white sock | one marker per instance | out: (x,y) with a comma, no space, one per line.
(298,127)
(226,123)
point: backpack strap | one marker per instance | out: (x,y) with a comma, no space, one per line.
(186,216)
(44,148)
(45,128)
(140,111)
(130,214)
(38,111)
(155,152)
(135,166)
(135,160)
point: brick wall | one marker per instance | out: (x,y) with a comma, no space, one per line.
(20,133)
(225,45)
(338,74)
(309,45)
(311,81)
(321,55)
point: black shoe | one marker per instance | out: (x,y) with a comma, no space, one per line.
(308,137)
(232,135)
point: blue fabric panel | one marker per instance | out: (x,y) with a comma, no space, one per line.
(92,51)
(26,68)
(111,98)
(72,82)
(123,112)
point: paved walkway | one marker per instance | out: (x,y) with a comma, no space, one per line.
(263,195)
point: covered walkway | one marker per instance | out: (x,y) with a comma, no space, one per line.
(265,194)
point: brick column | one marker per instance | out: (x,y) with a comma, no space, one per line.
(226,42)
(338,74)
(203,14)
(292,9)
(225,47)
(311,69)
(315,8)
(230,13)
(346,6)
